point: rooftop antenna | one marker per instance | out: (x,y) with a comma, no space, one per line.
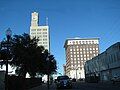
(46,21)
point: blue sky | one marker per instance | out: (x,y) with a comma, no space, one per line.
(67,19)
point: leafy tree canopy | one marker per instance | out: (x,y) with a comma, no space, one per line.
(27,56)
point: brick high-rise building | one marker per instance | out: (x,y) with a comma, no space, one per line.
(78,51)
(40,32)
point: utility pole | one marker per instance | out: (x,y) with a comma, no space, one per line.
(8,35)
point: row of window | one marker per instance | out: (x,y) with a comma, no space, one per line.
(38,29)
(78,61)
(87,49)
(82,55)
(44,39)
(83,42)
(35,33)
(83,46)
(40,36)
(83,52)
(42,43)
(84,49)
(85,58)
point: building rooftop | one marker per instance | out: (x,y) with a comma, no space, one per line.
(77,38)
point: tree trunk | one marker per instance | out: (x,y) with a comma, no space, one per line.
(48,85)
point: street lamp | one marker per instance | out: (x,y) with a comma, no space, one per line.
(8,35)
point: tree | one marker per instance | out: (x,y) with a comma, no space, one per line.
(50,62)
(27,56)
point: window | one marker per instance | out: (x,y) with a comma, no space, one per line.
(44,29)
(38,32)
(81,58)
(33,29)
(33,33)
(40,39)
(44,32)
(74,58)
(89,42)
(38,29)
(40,36)
(39,42)
(44,39)
(44,42)
(87,49)
(44,35)
(83,42)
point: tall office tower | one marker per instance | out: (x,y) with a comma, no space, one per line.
(40,32)
(78,51)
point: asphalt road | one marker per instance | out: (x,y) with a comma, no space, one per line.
(83,86)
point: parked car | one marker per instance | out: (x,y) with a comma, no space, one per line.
(73,80)
(115,79)
(63,82)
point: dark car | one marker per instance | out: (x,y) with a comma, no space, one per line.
(73,80)
(63,82)
(115,79)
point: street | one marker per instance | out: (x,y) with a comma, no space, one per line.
(84,86)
